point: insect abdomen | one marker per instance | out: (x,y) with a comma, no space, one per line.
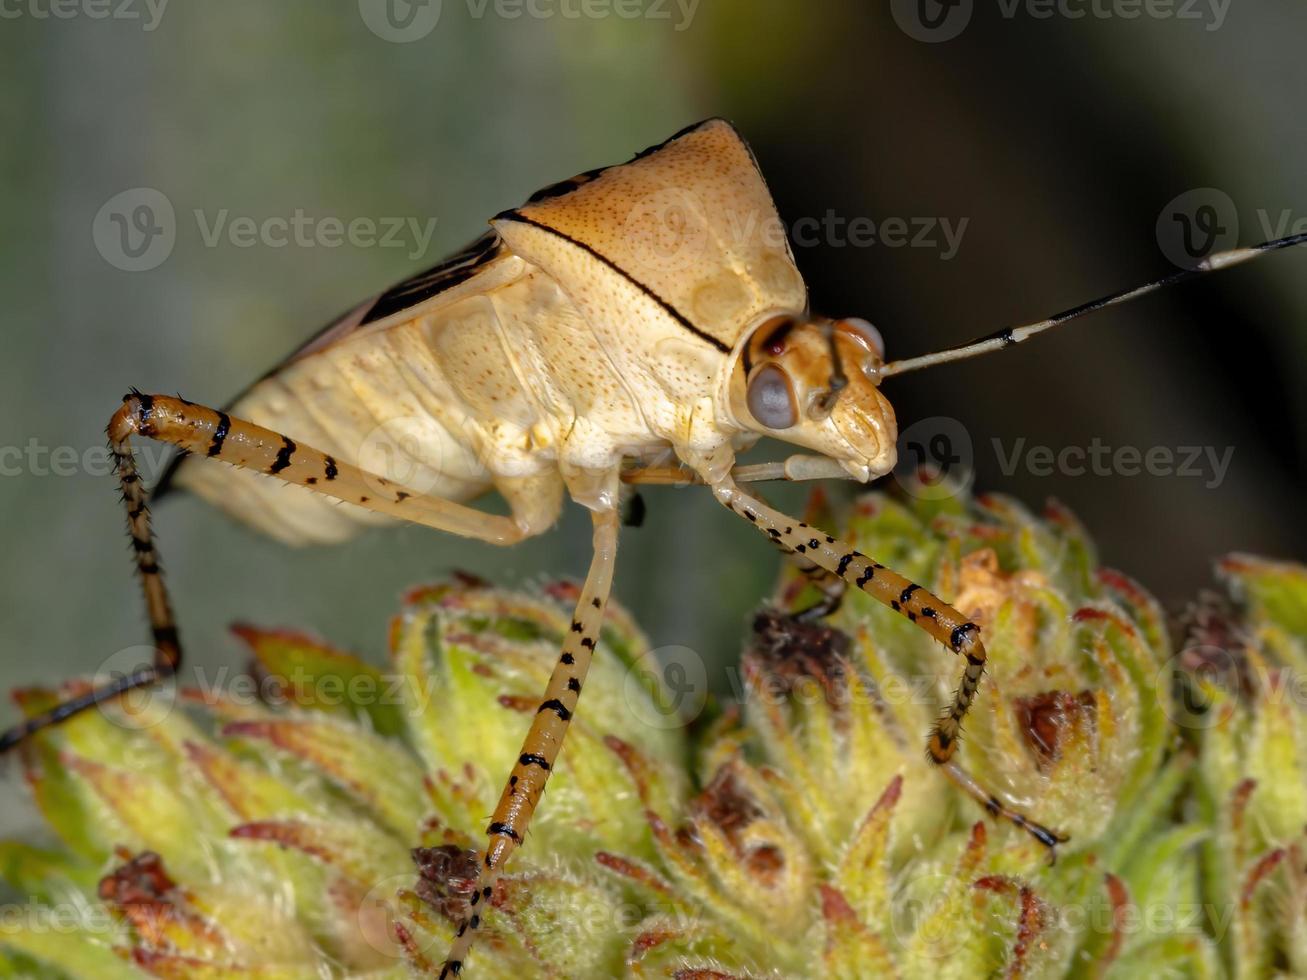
(500,384)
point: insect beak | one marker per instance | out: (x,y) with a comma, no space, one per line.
(859,471)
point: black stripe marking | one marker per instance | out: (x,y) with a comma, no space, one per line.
(565,187)
(668,308)
(557,707)
(906,594)
(960,634)
(532,759)
(220,433)
(498,829)
(567,658)
(330,470)
(451,272)
(283,455)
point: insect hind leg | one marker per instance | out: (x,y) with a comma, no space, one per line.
(126,422)
(215,434)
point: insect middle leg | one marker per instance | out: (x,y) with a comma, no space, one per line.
(215,434)
(905,597)
(543,742)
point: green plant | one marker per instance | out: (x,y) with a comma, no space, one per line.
(326,826)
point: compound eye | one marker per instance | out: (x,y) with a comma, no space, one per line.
(771,398)
(867,332)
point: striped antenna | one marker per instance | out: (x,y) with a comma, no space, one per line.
(1016,335)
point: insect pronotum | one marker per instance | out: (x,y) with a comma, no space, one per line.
(574,347)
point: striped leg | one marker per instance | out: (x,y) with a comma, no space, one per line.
(525,786)
(231,440)
(167,647)
(932,614)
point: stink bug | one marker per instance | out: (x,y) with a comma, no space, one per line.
(570,349)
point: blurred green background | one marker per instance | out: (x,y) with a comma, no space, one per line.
(1060,140)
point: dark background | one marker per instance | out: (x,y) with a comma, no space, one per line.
(1060,139)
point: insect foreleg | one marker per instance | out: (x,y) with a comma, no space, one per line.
(543,742)
(794,469)
(931,613)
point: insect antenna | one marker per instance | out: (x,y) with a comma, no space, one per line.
(1011,336)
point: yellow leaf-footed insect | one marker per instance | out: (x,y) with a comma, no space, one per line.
(625,326)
